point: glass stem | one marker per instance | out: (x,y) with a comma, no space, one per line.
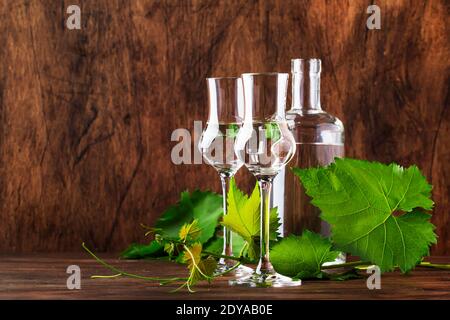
(227,244)
(264,266)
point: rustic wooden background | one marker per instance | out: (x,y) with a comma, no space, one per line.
(86,116)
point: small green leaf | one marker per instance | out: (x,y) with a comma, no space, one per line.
(190,231)
(169,247)
(140,251)
(216,244)
(200,269)
(341,276)
(302,256)
(243,218)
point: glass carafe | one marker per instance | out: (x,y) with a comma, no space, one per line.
(319,137)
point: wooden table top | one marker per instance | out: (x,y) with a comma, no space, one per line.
(43,276)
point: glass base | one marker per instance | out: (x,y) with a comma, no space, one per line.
(342,258)
(265,280)
(239,271)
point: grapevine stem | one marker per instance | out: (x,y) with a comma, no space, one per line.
(361,263)
(120,272)
(347,264)
(215,255)
(434,265)
(229,270)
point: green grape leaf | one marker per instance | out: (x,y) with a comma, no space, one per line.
(232,130)
(204,206)
(215,245)
(243,217)
(302,256)
(275,224)
(373,210)
(140,251)
(272,131)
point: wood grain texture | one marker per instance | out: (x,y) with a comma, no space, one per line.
(86,115)
(44,276)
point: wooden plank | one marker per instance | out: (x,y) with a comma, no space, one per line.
(86,116)
(43,276)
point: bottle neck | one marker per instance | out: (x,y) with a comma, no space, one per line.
(302,85)
(313,101)
(297,90)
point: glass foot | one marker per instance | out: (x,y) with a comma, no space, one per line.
(239,271)
(221,268)
(243,271)
(265,280)
(342,257)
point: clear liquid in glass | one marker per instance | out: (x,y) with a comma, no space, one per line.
(217,148)
(268,147)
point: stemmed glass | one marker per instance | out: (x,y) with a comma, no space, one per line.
(226,113)
(265,145)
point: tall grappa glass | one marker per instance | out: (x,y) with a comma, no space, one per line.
(226,112)
(265,144)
